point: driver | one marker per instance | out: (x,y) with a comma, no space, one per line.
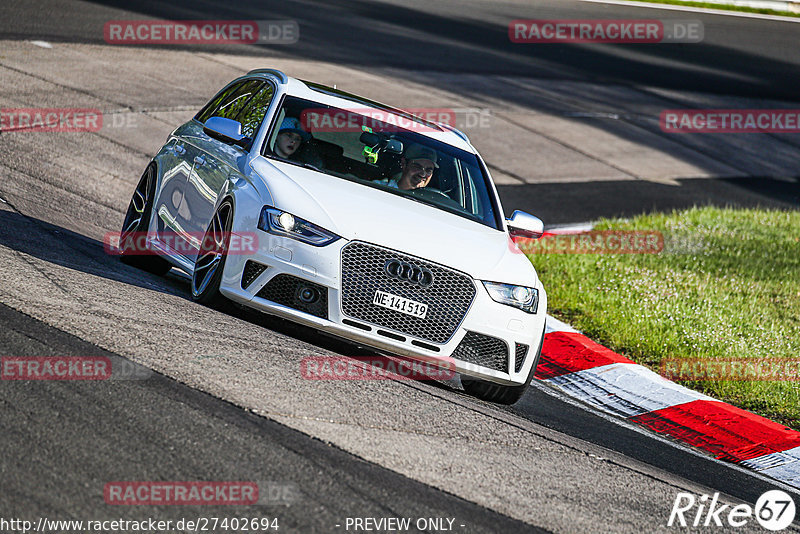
(290,137)
(417,166)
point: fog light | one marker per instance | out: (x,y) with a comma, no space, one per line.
(307,295)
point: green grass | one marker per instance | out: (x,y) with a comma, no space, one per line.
(726,285)
(723,7)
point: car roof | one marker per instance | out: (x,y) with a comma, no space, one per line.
(335,97)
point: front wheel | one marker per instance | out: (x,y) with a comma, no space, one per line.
(499,393)
(207,273)
(134,229)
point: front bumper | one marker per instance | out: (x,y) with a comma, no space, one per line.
(485,320)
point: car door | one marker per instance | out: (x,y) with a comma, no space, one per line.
(219,160)
(177,166)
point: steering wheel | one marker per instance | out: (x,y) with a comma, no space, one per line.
(436,196)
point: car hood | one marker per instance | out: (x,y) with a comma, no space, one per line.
(359,212)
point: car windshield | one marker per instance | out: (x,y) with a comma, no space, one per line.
(382,149)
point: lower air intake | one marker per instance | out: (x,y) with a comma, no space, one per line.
(520,351)
(297,293)
(483,350)
(252,270)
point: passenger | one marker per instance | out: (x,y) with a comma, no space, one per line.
(417,166)
(290,137)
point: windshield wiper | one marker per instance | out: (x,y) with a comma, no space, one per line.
(308,166)
(421,200)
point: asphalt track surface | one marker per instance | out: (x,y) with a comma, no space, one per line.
(63,441)
(60,436)
(746,62)
(746,57)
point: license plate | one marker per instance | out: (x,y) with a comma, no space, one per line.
(401,304)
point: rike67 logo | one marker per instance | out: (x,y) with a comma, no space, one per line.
(774,510)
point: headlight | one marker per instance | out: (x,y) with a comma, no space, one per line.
(285,224)
(524,298)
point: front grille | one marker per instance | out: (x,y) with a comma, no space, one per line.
(520,351)
(483,350)
(448,298)
(285,289)
(252,270)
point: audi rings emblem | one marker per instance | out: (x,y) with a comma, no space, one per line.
(409,272)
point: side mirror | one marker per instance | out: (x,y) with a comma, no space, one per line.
(225,130)
(523,224)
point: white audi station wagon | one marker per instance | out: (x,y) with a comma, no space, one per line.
(362,220)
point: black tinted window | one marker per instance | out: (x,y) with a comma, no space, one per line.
(230,102)
(208,110)
(253,113)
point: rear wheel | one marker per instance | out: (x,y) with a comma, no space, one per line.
(498,393)
(134,229)
(210,262)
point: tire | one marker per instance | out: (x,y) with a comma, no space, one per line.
(498,393)
(208,267)
(137,220)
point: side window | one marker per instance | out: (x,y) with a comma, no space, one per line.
(237,101)
(208,110)
(269,146)
(476,200)
(253,113)
(229,102)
